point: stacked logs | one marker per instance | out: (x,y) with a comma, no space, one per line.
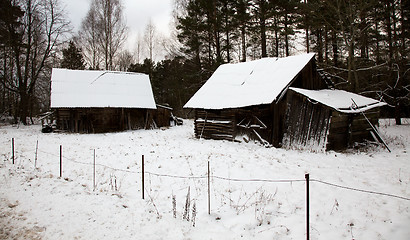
(215,124)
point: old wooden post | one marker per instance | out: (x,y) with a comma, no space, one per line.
(307,205)
(94,172)
(12,149)
(209,190)
(61,160)
(142,177)
(35,159)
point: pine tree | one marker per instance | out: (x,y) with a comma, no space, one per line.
(72,57)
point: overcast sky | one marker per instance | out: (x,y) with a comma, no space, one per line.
(136,12)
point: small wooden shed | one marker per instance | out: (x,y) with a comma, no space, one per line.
(90,101)
(249,98)
(329,119)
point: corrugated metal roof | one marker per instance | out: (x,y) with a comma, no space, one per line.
(92,88)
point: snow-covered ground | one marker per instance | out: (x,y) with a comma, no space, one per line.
(38,204)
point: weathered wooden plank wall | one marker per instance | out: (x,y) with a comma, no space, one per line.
(307,123)
(309,78)
(311,125)
(349,129)
(161,116)
(99,120)
(255,119)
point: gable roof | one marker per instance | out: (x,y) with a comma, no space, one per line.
(91,88)
(340,100)
(247,84)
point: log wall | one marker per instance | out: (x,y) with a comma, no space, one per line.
(215,124)
(254,123)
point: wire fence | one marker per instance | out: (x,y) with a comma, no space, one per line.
(307,180)
(360,190)
(220,177)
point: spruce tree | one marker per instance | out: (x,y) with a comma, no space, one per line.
(72,57)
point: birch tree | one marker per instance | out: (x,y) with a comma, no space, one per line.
(105,32)
(150,39)
(89,37)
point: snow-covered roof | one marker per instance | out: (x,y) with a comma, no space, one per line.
(340,100)
(247,84)
(90,88)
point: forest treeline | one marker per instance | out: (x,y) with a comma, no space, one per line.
(362,45)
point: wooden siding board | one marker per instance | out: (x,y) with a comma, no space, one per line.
(99,120)
(307,123)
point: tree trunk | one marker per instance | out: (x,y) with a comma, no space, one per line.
(276,37)
(319,45)
(286,35)
(326,46)
(227,32)
(228,46)
(307,30)
(377,37)
(262,25)
(363,35)
(404,23)
(243,39)
(335,49)
(216,33)
(397,112)
(389,31)
(24,106)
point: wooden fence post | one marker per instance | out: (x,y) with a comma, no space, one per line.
(35,159)
(12,149)
(307,206)
(142,176)
(94,172)
(61,161)
(209,190)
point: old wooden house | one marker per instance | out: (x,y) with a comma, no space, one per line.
(102,101)
(250,100)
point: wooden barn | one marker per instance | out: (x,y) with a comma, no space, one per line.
(250,100)
(103,101)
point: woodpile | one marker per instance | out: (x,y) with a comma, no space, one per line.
(228,123)
(218,125)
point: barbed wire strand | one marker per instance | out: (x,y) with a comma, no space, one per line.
(360,190)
